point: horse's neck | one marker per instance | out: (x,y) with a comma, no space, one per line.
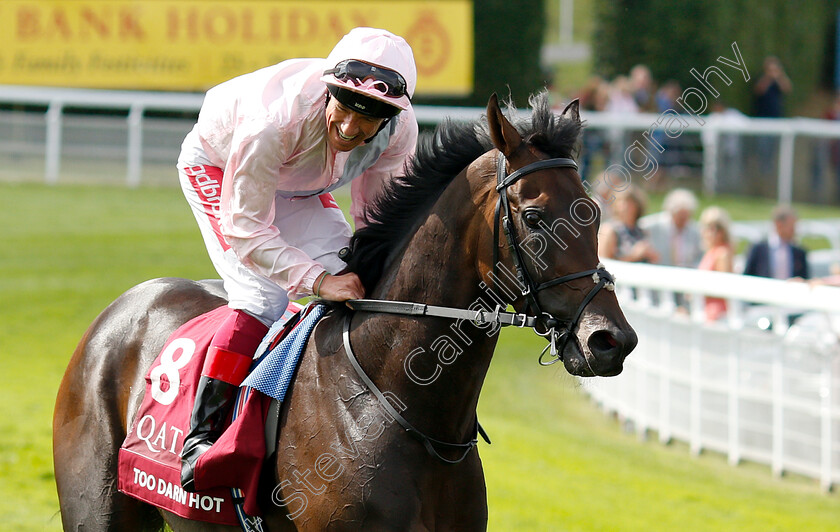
(434,363)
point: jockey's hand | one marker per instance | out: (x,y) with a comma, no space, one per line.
(339,287)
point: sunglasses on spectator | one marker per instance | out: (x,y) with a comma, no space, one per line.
(358,72)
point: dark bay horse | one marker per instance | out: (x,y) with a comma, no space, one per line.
(342,460)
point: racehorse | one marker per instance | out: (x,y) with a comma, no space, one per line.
(378,429)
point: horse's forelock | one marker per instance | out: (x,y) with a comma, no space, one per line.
(553,134)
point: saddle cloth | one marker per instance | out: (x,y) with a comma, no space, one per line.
(149,460)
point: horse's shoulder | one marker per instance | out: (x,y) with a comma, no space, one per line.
(327,334)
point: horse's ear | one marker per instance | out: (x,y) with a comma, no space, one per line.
(572,111)
(505,137)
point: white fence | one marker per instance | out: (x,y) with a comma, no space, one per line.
(96,135)
(57,134)
(750,387)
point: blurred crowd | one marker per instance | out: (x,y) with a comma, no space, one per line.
(679,235)
(639,92)
(632,93)
(672,237)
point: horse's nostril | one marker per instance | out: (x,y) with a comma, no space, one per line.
(601,341)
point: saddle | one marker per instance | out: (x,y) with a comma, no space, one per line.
(149,460)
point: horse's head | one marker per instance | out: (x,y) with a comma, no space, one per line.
(545,241)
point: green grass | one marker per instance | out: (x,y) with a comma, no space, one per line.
(557,462)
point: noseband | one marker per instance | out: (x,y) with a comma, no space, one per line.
(530,290)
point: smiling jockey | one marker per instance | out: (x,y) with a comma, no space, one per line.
(257,170)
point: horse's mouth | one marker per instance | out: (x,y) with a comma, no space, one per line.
(575,361)
(583,363)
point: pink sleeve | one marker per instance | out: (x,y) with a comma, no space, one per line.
(389,165)
(247,212)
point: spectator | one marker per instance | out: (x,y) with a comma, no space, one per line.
(827,154)
(777,256)
(621,98)
(622,238)
(674,234)
(669,159)
(666,96)
(770,90)
(730,175)
(603,194)
(593,97)
(641,85)
(833,111)
(714,223)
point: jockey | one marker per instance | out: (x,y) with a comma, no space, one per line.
(257,170)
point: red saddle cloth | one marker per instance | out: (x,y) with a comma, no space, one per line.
(149,462)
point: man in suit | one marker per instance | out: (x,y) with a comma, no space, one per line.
(777,256)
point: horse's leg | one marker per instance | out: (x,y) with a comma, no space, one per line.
(462,498)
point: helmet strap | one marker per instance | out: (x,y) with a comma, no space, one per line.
(381,127)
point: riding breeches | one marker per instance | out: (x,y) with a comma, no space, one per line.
(315,225)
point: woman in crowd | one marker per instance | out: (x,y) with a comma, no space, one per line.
(714,225)
(622,238)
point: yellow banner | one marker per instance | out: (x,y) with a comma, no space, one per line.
(193,45)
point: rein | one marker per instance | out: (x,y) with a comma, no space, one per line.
(529,289)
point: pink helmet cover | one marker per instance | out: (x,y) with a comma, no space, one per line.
(376,47)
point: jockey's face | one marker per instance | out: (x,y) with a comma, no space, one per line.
(347,129)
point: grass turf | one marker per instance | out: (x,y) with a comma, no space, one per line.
(557,462)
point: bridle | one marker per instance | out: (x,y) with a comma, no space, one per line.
(543,323)
(530,290)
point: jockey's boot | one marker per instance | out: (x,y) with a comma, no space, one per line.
(225,367)
(212,404)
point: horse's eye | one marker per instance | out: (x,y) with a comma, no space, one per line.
(532,218)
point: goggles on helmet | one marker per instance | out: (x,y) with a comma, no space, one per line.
(363,104)
(389,82)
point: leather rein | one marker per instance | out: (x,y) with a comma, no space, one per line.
(551,326)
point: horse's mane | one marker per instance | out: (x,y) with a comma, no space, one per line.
(440,156)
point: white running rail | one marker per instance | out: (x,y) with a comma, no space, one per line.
(769,396)
(41,127)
